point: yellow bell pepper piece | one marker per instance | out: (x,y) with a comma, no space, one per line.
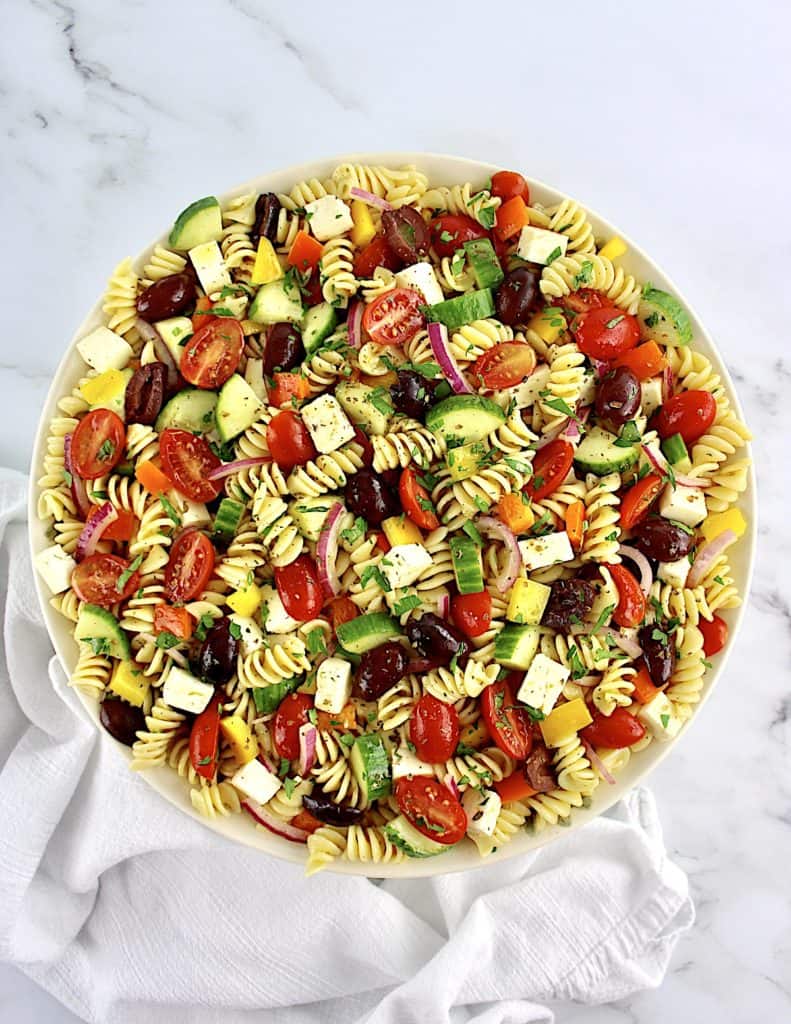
(614,248)
(730,520)
(465,461)
(129,683)
(400,530)
(240,739)
(267,266)
(476,735)
(549,324)
(364,228)
(527,602)
(246,602)
(103,387)
(564,720)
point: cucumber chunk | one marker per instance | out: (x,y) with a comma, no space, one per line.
(462,419)
(406,837)
(515,646)
(598,453)
(463,309)
(484,264)
(371,765)
(200,222)
(100,628)
(268,698)
(191,409)
(664,319)
(277,302)
(237,408)
(228,517)
(366,632)
(355,400)
(318,323)
(467,565)
(674,449)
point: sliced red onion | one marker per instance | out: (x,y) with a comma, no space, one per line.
(553,435)
(453,786)
(307,748)
(491,527)
(269,821)
(668,383)
(98,521)
(327,551)
(657,459)
(77,485)
(438,336)
(707,555)
(691,481)
(642,563)
(600,366)
(597,762)
(234,467)
(267,762)
(148,332)
(354,324)
(573,430)
(443,605)
(370,198)
(626,644)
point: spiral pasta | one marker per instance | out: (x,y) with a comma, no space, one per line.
(409,442)
(615,689)
(480,205)
(566,380)
(450,685)
(326,472)
(163,725)
(602,536)
(277,530)
(215,799)
(568,218)
(400,186)
(686,681)
(338,283)
(570,273)
(162,263)
(91,673)
(266,666)
(119,301)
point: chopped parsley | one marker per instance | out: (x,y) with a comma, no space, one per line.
(205,623)
(628,436)
(235,630)
(166,640)
(106,450)
(98,644)
(603,617)
(355,531)
(315,641)
(380,400)
(665,720)
(373,572)
(289,785)
(406,604)
(553,255)
(285,764)
(127,574)
(614,322)
(347,739)
(585,275)
(171,513)
(652,320)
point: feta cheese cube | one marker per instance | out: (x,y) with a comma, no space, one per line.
(660,719)
(327,423)
(483,808)
(273,611)
(420,277)
(537,244)
(686,505)
(543,683)
(193,513)
(103,349)
(333,685)
(674,573)
(256,781)
(55,567)
(406,763)
(328,217)
(527,393)
(404,563)
(251,638)
(184,691)
(588,389)
(539,552)
(651,391)
(210,267)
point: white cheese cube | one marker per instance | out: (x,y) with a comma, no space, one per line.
(686,505)
(210,267)
(333,685)
(256,781)
(55,567)
(483,808)
(651,391)
(539,552)
(273,611)
(404,563)
(328,217)
(420,277)
(327,423)
(174,332)
(192,513)
(185,691)
(536,245)
(251,638)
(406,763)
(527,393)
(674,573)
(543,683)
(103,349)
(588,388)
(659,718)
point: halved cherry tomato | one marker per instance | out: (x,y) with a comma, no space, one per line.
(289,440)
(645,361)
(177,621)
(187,460)
(342,609)
(450,231)
(98,577)
(620,729)
(205,739)
(201,315)
(394,317)
(299,588)
(631,600)
(286,386)
(606,333)
(189,567)
(689,413)
(639,499)
(212,354)
(123,526)
(416,501)
(306,821)
(550,468)
(512,216)
(472,613)
(514,786)
(434,729)
(376,254)
(715,635)
(305,252)
(97,444)
(507,184)
(508,724)
(644,689)
(292,713)
(504,365)
(432,809)
(152,478)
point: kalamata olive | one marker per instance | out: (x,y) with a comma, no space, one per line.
(435,638)
(568,603)
(367,495)
(407,234)
(325,809)
(412,394)
(267,211)
(284,349)
(538,769)
(217,655)
(145,393)
(659,653)
(166,297)
(662,540)
(519,295)
(121,720)
(380,669)
(618,398)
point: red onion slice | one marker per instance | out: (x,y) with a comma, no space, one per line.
(708,554)
(370,198)
(491,527)
(597,762)
(148,332)
(600,366)
(668,384)
(327,551)
(273,824)
(354,324)
(691,481)
(553,435)
(98,521)
(438,336)
(642,563)
(657,459)
(307,748)
(234,467)
(626,644)
(453,786)
(77,485)
(443,606)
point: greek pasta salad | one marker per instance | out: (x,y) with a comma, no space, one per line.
(392,516)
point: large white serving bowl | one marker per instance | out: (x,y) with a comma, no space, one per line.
(441,170)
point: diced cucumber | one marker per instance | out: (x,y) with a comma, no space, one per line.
(598,453)
(515,646)
(310,514)
(191,409)
(406,837)
(674,449)
(467,565)
(664,319)
(318,323)
(465,461)
(229,515)
(366,632)
(277,302)
(484,264)
(370,763)
(268,698)
(100,628)
(200,222)
(237,408)
(175,332)
(356,401)
(463,309)
(462,419)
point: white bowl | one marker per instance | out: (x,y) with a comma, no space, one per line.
(440,170)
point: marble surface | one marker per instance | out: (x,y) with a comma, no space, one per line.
(670,122)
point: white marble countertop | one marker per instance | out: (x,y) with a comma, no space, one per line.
(672,121)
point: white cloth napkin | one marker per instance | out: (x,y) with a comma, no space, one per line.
(128,911)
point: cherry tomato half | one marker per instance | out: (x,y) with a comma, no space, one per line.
(189,567)
(508,724)
(715,635)
(376,254)
(432,809)
(394,317)
(690,414)
(205,739)
(292,713)
(212,354)
(187,461)
(504,365)
(507,184)
(620,729)
(434,729)
(450,231)
(289,440)
(299,588)
(550,469)
(99,579)
(607,332)
(472,613)
(639,499)
(98,443)
(631,600)
(177,621)
(416,501)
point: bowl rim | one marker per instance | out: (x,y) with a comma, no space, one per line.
(465,858)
